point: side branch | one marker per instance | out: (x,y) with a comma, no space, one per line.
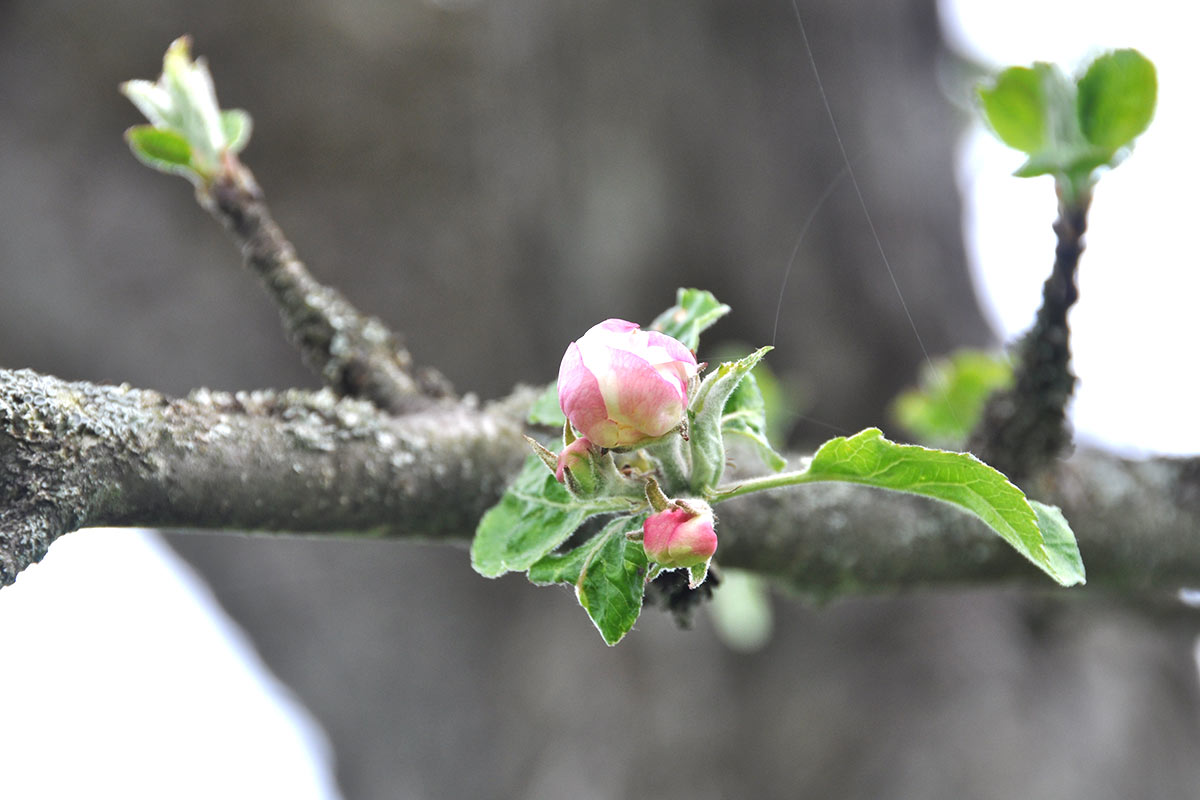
(1024,429)
(355,354)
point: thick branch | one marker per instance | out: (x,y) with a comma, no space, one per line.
(75,455)
(1024,429)
(356,355)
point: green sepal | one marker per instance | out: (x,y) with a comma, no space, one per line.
(544,454)
(697,575)
(608,572)
(658,501)
(705,419)
(695,311)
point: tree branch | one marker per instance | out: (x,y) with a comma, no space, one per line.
(356,355)
(75,455)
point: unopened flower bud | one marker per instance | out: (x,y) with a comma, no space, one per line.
(571,455)
(620,386)
(682,536)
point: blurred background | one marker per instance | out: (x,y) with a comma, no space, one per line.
(491,178)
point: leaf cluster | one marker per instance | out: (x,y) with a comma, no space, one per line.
(188,133)
(1069,127)
(533,528)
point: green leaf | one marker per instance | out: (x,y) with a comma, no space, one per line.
(546,410)
(1060,544)
(745,415)
(536,515)
(1015,107)
(161,149)
(695,311)
(957,478)
(1116,98)
(951,394)
(608,573)
(236,125)
(705,418)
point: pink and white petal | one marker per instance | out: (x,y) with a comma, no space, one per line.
(674,348)
(675,374)
(581,401)
(615,325)
(694,541)
(658,529)
(645,401)
(598,359)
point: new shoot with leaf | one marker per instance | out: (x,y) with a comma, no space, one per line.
(1071,127)
(188,134)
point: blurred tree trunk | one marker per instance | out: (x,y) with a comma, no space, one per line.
(492,178)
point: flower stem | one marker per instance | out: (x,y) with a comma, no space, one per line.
(760,484)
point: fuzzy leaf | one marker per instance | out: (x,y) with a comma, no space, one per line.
(705,415)
(957,478)
(536,515)
(546,410)
(1060,544)
(745,415)
(160,149)
(695,311)
(1116,99)
(608,572)
(1015,106)
(236,125)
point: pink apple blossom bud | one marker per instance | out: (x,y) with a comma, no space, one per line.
(571,455)
(620,386)
(681,536)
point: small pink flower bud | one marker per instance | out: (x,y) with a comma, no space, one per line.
(571,455)
(619,385)
(682,536)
